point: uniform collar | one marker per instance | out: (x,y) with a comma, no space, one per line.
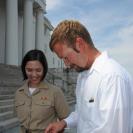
(42,85)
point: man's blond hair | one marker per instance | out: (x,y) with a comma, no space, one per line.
(68,31)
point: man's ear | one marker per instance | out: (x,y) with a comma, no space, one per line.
(79,43)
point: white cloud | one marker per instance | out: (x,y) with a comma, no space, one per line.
(110,25)
(124,51)
(118,39)
(126,35)
(124,55)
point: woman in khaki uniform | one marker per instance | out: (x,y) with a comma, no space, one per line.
(38,103)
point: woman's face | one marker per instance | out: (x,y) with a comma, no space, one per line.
(34,71)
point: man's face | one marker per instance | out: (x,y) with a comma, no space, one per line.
(71,58)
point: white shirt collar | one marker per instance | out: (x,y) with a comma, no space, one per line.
(97,65)
(99,62)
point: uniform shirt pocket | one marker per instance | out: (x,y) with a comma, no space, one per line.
(43,109)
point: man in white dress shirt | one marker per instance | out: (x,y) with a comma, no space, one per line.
(104,91)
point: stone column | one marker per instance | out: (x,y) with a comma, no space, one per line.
(28,26)
(11,54)
(39,29)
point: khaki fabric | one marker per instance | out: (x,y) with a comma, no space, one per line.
(45,105)
(23,130)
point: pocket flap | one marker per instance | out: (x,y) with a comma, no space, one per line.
(43,103)
(19,103)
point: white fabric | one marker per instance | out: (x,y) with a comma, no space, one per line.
(104,99)
(31,90)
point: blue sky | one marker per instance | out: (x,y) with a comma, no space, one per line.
(110,23)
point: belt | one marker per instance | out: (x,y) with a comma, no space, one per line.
(28,131)
(33,131)
(25,130)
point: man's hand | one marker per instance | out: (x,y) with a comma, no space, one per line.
(57,127)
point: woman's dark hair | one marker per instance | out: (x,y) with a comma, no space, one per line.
(33,55)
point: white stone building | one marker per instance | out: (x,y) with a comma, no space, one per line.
(23,26)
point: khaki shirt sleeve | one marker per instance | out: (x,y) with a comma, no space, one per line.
(61,106)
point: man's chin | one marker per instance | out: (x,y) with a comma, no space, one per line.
(79,69)
(76,68)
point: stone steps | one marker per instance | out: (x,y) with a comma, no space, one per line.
(10,80)
(6,102)
(6,115)
(7,124)
(8,88)
(70,100)
(6,108)
(5,97)
(7,92)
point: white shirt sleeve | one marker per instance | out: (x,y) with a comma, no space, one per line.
(71,120)
(114,107)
